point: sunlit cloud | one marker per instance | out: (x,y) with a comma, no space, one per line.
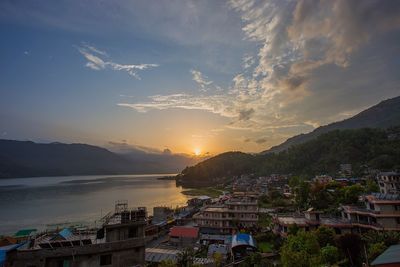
(201,79)
(95,62)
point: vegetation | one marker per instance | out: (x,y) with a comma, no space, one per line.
(363,148)
(301,250)
(206,191)
(274,198)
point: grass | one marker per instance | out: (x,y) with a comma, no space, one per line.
(207,191)
(265,247)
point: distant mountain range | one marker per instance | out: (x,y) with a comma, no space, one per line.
(29,159)
(383,115)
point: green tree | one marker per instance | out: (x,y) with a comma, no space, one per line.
(167,263)
(371,186)
(329,254)
(302,192)
(185,258)
(300,250)
(325,236)
(217,259)
(351,193)
(293,229)
(253,260)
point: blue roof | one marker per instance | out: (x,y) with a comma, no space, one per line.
(243,240)
(5,249)
(65,233)
(391,255)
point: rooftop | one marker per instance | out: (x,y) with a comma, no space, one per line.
(184,231)
(389,256)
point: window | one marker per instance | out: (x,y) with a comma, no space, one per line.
(132,232)
(398,220)
(105,259)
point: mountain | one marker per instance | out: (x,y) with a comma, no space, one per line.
(218,167)
(364,149)
(29,159)
(383,115)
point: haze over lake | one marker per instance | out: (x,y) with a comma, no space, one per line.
(35,202)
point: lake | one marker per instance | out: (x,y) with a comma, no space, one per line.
(35,202)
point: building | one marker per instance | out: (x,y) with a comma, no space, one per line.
(162,215)
(119,242)
(242,246)
(310,220)
(381,212)
(389,258)
(389,182)
(184,236)
(240,211)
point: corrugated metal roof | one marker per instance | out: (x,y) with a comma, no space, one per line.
(184,231)
(24,232)
(391,255)
(243,240)
(5,249)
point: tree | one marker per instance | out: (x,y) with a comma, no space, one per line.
(293,229)
(253,260)
(319,196)
(300,250)
(302,194)
(371,186)
(167,263)
(185,258)
(329,254)
(350,245)
(217,259)
(325,236)
(351,193)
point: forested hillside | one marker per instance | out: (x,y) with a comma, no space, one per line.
(363,148)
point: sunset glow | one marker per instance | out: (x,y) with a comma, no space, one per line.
(192,77)
(197,151)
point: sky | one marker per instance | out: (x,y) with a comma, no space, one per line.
(192,76)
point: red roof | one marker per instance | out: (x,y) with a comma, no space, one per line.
(184,231)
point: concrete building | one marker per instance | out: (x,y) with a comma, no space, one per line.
(389,182)
(310,220)
(162,215)
(120,242)
(381,212)
(236,212)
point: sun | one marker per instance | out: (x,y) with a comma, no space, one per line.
(197,151)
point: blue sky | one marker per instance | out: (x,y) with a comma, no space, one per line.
(214,75)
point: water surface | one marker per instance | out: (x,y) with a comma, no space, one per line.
(35,202)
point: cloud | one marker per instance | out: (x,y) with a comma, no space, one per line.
(261,140)
(200,79)
(245,114)
(95,62)
(301,45)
